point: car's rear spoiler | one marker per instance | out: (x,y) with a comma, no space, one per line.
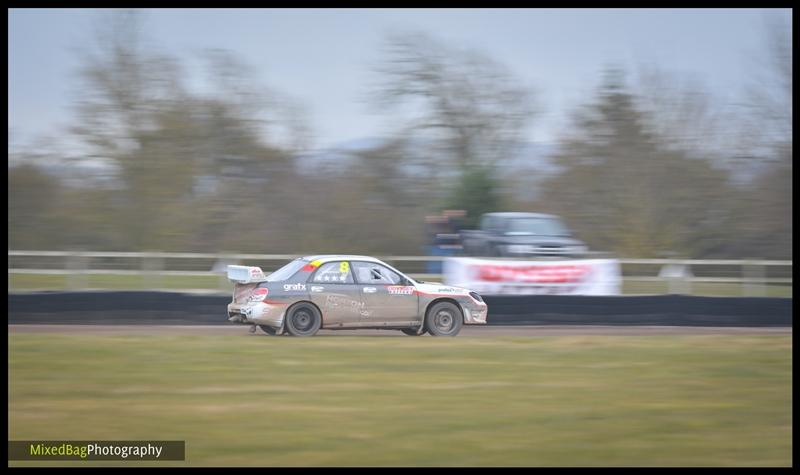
(245,274)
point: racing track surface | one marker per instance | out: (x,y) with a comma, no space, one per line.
(467,331)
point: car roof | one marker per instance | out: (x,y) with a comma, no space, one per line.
(516,214)
(340,257)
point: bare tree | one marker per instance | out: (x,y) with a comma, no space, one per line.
(766,223)
(124,83)
(770,94)
(173,148)
(469,109)
(623,190)
(685,115)
(466,98)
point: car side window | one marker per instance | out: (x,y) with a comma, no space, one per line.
(492,224)
(372,273)
(501,225)
(336,272)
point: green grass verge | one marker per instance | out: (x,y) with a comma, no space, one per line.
(354,401)
(135,282)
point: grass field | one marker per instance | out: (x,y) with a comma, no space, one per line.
(171,282)
(377,401)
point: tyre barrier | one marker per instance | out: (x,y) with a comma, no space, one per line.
(172,308)
(661,310)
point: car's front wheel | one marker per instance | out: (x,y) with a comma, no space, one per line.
(303,320)
(443,319)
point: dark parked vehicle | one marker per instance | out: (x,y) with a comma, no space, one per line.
(521,235)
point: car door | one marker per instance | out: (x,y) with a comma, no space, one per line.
(334,291)
(387,299)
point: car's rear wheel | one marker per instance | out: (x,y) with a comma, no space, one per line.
(412,331)
(303,320)
(443,319)
(268,329)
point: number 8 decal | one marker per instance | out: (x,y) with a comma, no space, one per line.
(344,267)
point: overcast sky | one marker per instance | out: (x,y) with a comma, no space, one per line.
(322,57)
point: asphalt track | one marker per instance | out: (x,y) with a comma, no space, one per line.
(467,331)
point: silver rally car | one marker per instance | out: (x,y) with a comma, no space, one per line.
(348,292)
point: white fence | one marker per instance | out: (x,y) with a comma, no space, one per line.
(678,276)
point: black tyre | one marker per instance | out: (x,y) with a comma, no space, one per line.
(412,331)
(303,320)
(268,329)
(444,319)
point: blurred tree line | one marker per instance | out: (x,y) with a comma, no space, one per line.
(644,171)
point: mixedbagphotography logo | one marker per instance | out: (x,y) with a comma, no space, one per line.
(97,450)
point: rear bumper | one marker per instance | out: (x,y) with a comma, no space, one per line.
(257,313)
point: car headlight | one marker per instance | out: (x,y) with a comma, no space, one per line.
(476,296)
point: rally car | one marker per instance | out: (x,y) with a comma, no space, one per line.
(348,292)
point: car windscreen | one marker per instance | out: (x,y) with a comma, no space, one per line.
(286,271)
(537,226)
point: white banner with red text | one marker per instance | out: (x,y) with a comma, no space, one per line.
(567,277)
